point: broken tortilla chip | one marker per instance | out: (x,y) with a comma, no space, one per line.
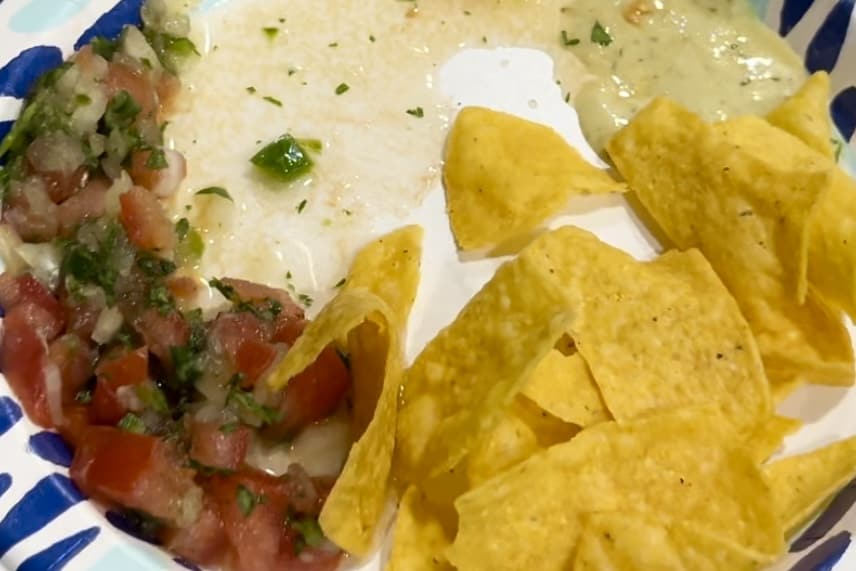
(563,386)
(421,535)
(658,334)
(803,484)
(505,176)
(768,436)
(651,464)
(633,541)
(459,384)
(806,114)
(748,209)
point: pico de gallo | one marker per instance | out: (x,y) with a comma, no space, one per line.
(102,339)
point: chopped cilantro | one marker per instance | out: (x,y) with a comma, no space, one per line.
(305,299)
(160,298)
(225,290)
(247,500)
(314,145)
(246,403)
(342,88)
(600,35)
(154,266)
(839,147)
(132,423)
(301,206)
(271,31)
(182,227)
(121,111)
(81,100)
(83,396)
(272,100)
(229,427)
(284,159)
(291,71)
(416,112)
(309,530)
(371,38)
(333,45)
(104,47)
(83,265)
(157,160)
(251,90)
(568,41)
(152,397)
(340,283)
(215,191)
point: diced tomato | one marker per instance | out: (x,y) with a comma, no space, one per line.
(28,208)
(167,88)
(251,291)
(162,181)
(26,289)
(211,446)
(160,332)
(254,358)
(123,78)
(204,542)
(182,287)
(75,421)
(74,357)
(57,159)
(145,221)
(130,368)
(288,329)
(85,205)
(23,352)
(313,394)
(230,330)
(135,470)
(82,316)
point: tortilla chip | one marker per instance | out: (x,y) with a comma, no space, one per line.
(767,438)
(422,533)
(504,176)
(745,198)
(832,244)
(389,268)
(358,500)
(510,442)
(659,334)
(632,541)
(806,114)
(651,464)
(458,386)
(563,386)
(802,484)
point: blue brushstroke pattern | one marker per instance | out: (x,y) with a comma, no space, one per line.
(57,555)
(5,127)
(825,47)
(791,14)
(10,414)
(49,498)
(19,75)
(5,483)
(133,524)
(110,24)
(843,111)
(826,555)
(838,507)
(51,447)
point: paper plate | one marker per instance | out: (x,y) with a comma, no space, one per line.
(46,524)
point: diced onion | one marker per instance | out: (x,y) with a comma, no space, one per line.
(321,450)
(10,244)
(158,15)
(56,152)
(122,183)
(190,507)
(53,391)
(43,260)
(108,324)
(135,45)
(129,398)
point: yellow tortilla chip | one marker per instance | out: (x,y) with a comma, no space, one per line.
(802,484)
(463,379)
(504,176)
(389,268)
(422,533)
(746,199)
(659,334)
(357,501)
(768,436)
(806,114)
(832,244)
(632,541)
(651,464)
(509,442)
(563,386)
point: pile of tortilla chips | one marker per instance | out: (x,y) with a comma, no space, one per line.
(588,411)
